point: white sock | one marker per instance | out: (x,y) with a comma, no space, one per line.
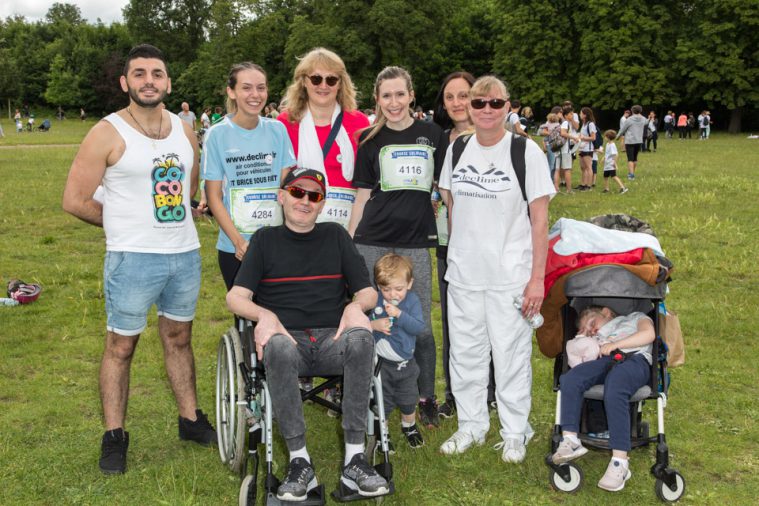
(572,438)
(406,425)
(302,453)
(623,462)
(351,450)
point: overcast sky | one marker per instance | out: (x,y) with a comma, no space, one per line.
(107,10)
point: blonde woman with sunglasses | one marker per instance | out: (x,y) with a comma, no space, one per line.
(496,253)
(245,156)
(322,122)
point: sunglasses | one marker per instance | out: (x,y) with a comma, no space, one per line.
(495,103)
(299,193)
(316,80)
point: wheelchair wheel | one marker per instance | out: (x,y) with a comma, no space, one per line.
(230,389)
(666,494)
(248,491)
(575,479)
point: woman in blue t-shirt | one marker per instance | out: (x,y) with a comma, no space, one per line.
(244,158)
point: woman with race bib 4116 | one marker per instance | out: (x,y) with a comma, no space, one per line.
(245,156)
(398,160)
(321,109)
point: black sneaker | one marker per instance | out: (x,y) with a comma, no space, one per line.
(413,436)
(113,451)
(358,475)
(199,430)
(299,480)
(428,413)
(447,409)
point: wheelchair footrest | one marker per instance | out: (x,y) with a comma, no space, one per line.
(314,498)
(347,494)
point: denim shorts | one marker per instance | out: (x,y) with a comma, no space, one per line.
(133,282)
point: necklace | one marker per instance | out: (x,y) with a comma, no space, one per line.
(153,138)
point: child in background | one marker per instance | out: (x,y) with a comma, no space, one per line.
(632,335)
(397,320)
(610,162)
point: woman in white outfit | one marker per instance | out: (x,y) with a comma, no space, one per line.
(496,252)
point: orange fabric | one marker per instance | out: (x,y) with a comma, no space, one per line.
(550,334)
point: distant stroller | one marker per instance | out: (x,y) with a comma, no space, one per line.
(44,126)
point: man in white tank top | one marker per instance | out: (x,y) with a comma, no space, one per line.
(146,160)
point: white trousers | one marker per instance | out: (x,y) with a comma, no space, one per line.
(481,324)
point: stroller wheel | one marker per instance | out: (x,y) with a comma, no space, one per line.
(248,491)
(575,479)
(666,494)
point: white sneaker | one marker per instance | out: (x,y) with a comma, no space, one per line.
(514,450)
(460,442)
(615,476)
(568,451)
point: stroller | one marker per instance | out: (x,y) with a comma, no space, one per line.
(44,126)
(620,289)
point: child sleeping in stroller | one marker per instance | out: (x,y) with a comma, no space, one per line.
(614,351)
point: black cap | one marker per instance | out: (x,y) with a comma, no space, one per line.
(301,173)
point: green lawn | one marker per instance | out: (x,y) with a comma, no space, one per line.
(700,197)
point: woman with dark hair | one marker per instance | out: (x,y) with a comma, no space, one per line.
(398,160)
(321,108)
(653,130)
(588,133)
(242,189)
(452,116)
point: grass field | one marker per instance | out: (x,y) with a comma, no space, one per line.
(700,197)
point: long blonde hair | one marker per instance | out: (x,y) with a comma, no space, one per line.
(391,72)
(296,96)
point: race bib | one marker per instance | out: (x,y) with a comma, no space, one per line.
(442,225)
(337,206)
(254,208)
(406,167)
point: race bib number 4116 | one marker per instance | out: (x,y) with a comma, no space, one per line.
(406,167)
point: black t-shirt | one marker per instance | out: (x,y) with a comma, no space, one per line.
(305,279)
(389,164)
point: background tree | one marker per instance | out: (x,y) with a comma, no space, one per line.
(717,55)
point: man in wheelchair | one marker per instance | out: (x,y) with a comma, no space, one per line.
(307,287)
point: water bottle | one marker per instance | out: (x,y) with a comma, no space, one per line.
(394,302)
(4,301)
(534,321)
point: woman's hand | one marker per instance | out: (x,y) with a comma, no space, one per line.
(533,298)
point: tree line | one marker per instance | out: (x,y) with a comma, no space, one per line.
(604,53)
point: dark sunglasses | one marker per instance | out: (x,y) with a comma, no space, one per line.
(495,103)
(316,80)
(299,193)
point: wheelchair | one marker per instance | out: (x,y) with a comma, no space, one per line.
(615,287)
(243,406)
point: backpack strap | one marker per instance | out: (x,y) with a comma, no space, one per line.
(518,148)
(459,143)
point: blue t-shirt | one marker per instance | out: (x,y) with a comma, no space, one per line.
(247,159)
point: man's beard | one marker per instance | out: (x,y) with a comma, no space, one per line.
(133,94)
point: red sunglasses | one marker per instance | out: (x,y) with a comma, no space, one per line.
(299,193)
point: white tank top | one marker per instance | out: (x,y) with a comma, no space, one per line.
(146,194)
